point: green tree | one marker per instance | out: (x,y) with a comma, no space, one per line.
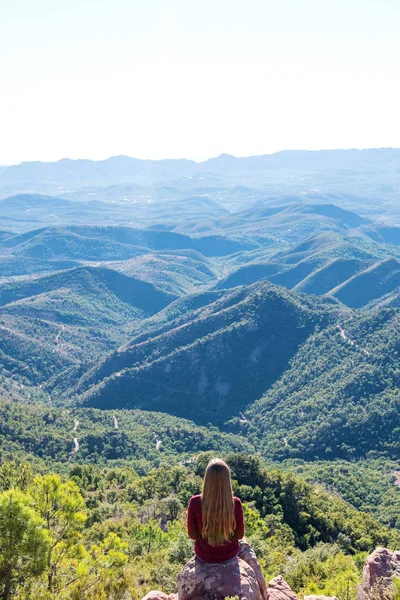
(13,475)
(25,541)
(61,506)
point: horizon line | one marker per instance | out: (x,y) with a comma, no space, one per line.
(199,162)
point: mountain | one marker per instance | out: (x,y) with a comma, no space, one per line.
(384,233)
(348,267)
(283,221)
(179,272)
(125,169)
(94,281)
(331,274)
(339,398)
(372,283)
(210,363)
(51,322)
(154,314)
(116,169)
(364,181)
(111,243)
(98,206)
(13,266)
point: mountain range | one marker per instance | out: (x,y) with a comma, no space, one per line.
(254,296)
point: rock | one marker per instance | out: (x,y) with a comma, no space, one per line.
(160,596)
(278,589)
(378,573)
(202,581)
(319,597)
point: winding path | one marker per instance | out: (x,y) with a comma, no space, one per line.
(349,341)
(344,336)
(75,448)
(115,422)
(59,333)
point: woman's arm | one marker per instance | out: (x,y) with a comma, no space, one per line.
(239,530)
(192,528)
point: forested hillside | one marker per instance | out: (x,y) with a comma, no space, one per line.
(213,364)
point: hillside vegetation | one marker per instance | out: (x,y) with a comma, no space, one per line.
(340,396)
(215,361)
(114,531)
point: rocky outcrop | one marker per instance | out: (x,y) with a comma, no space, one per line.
(199,581)
(278,589)
(203,581)
(381,568)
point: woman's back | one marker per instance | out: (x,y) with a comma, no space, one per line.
(203,549)
(215,517)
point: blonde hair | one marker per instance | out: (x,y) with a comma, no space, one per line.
(217,504)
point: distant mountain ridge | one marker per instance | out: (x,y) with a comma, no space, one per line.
(111,243)
(125,169)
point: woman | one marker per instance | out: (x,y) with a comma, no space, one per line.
(215,522)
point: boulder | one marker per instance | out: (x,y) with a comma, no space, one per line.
(378,574)
(203,581)
(278,589)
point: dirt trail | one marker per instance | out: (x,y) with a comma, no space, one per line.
(75,427)
(242,419)
(344,336)
(158,444)
(349,341)
(59,333)
(75,448)
(115,422)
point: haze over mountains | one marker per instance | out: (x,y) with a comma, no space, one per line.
(201,290)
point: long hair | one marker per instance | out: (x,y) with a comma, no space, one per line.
(217,505)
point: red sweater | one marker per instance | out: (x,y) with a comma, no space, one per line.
(213,554)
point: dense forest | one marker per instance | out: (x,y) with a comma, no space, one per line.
(96,533)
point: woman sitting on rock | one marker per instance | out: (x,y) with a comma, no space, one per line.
(215,522)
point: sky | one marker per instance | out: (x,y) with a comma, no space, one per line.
(196,78)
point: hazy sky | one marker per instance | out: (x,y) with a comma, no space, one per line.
(194,78)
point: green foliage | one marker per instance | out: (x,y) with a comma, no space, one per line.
(25,542)
(15,476)
(324,570)
(340,396)
(111,530)
(369,485)
(47,433)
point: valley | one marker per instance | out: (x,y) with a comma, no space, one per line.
(211,317)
